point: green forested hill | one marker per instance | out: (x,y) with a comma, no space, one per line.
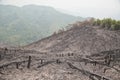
(23,25)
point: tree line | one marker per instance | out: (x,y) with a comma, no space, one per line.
(107,23)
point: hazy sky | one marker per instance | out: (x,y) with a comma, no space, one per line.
(83,8)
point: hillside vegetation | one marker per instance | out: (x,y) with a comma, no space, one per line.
(108,23)
(23,25)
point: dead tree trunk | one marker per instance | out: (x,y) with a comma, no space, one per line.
(41,61)
(17,65)
(29,62)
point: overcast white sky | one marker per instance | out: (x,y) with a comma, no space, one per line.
(83,8)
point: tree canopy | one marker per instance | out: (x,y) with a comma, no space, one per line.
(108,23)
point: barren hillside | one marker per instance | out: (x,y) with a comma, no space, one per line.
(83,52)
(81,38)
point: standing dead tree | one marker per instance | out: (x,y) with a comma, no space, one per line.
(29,62)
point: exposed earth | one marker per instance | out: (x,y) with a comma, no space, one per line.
(83,52)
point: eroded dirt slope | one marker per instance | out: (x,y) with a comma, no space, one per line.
(83,39)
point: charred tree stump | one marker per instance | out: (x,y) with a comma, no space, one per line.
(41,61)
(0,57)
(95,63)
(29,62)
(17,65)
(5,50)
(104,70)
(72,54)
(68,54)
(58,61)
(85,62)
(107,61)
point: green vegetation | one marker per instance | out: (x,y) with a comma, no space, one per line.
(23,25)
(108,23)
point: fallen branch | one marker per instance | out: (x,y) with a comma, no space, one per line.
(12,63)
(87,73)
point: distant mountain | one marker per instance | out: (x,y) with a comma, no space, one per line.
(23,25)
